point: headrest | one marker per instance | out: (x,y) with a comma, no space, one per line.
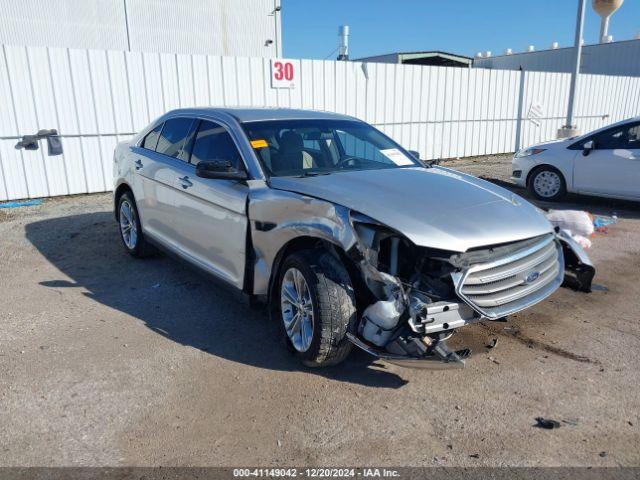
(290,142)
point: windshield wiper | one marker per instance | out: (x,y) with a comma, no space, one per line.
(311,174)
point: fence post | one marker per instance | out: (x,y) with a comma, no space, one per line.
(520,108)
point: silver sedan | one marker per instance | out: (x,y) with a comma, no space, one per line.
(340,233)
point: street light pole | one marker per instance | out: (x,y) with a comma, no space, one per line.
(570,129)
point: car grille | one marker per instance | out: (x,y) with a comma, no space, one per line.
(515,281)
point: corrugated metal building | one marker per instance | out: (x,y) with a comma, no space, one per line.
(218,27)
(615,58)
(432,57)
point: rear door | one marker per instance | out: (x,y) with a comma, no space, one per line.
(155,163)
(613,166)
(211,217)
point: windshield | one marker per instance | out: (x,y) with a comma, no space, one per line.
(316,147)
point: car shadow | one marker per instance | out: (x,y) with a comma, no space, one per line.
(176,301)
(594,205)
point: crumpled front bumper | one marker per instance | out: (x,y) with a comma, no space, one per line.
(579,272)
(441,359)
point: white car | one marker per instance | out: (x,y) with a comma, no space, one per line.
(605,162)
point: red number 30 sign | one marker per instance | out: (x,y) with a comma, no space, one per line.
(283,73)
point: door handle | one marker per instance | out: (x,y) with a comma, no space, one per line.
(138,164)
(186,183)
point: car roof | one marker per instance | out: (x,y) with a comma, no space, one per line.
(615,124)
(626,120)
(255,114)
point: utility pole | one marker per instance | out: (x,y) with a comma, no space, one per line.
(570,129)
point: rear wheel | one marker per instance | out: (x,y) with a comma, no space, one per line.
(547,183)
(317,307)
(130,227)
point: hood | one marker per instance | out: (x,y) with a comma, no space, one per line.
(434,207)
(560,143)
(556,141)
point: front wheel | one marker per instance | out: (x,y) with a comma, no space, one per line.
(547,183)
(317,307)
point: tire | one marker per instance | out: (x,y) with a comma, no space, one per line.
(135,243)
(547,183)
(333,307)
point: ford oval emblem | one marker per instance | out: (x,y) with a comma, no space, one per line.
(532,277)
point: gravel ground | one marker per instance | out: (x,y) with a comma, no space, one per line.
(107,360)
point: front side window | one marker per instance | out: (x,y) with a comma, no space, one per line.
(305,147)
(173,135)
(634,137)
(213,142)
(621,137)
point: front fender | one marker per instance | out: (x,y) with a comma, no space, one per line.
(561,161)
(579,270)
(276,217)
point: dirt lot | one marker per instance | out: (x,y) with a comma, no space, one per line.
(106,360)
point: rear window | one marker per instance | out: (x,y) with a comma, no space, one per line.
(151,140)
(173,135)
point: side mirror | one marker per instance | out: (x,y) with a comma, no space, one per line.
(221,169)
(587,147)
(415,153)
(430,163)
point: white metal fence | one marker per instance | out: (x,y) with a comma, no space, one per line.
(97,98)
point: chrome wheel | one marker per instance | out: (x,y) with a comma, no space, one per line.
(128,225)
(297,309)
(547,184)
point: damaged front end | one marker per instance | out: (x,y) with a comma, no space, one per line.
(414,309)
(420,296)
(410,298)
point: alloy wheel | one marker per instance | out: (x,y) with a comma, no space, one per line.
(128,226)
(297,309)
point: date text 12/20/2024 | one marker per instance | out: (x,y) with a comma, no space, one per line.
(316,472)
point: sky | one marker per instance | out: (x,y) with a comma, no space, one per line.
(310,27)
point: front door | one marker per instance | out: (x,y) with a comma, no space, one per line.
(612,167)
(211,220)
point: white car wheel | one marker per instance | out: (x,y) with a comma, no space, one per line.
(547,184)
